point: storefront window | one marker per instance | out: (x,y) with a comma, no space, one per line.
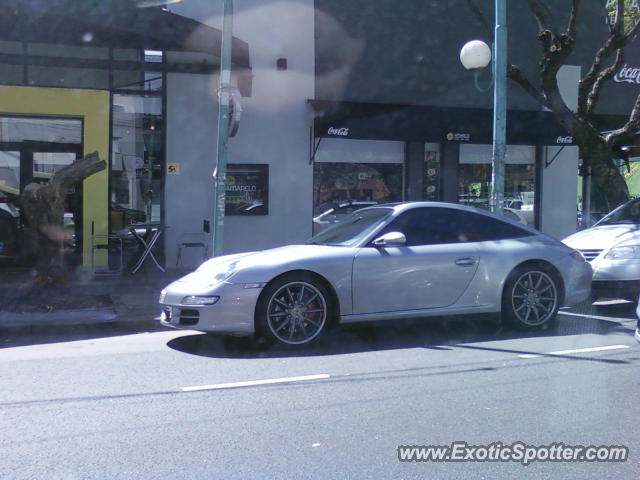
(431,177)
(474,180)
(353,174)
(137,160)
(33,150)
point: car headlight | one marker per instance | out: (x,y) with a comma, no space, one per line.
(627,252)
(199,300)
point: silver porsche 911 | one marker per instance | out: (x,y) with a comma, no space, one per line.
(406,260)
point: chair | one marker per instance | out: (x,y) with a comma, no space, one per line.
(112,244)
(193,240)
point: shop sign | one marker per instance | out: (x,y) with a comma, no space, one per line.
(338,132)
(458,137)
(628,74)
(564,140)
(247,189)
(173,169)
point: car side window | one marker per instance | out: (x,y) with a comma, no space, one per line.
(426,226)
(475,227)
(437,225)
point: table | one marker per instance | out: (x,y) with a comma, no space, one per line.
(146,241)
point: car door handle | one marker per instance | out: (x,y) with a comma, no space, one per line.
(465,262)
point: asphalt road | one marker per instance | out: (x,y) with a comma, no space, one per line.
(117,402)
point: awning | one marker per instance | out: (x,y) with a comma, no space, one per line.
(415,123)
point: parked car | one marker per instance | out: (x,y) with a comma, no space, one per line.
(256,207)
(637,334)
(519,210)
(405,260)
(612,246)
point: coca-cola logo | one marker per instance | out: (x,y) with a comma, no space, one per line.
(340,132)
(628,74)
(567,139)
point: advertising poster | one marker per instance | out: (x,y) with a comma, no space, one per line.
(247,189)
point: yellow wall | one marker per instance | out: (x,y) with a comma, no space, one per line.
(93,107)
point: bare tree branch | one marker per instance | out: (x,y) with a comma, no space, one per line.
(518,76)
(78,170)
(606,74)
(629,130)
(479,16)
(555,54)
(618,25)
(571,26)
(590,85)
(542,14)
(613,42)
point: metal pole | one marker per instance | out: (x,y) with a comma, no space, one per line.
(586,196)
(499,106)
(220,173)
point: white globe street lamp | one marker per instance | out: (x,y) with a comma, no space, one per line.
(475,55)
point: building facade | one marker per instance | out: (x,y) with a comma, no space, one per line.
(343,105)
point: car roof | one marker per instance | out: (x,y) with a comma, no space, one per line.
(400,207)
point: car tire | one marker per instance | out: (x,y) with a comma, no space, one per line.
(294,310)
(531,297)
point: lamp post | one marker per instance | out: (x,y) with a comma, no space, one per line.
(224,95)
(476,55)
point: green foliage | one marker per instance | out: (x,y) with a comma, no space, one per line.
(631,12)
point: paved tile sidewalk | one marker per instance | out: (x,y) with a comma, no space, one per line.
(134,298)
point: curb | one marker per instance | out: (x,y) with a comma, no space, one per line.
(58,317)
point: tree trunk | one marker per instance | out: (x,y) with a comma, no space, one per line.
(608,186)
(42,209)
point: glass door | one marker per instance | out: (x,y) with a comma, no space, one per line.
(33,150)
(9,209)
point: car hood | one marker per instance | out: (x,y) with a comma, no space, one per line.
(264,264)
(604,236)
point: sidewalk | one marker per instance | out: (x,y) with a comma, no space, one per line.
(100,299)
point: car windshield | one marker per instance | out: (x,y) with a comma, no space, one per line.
(629,213)
(353,228)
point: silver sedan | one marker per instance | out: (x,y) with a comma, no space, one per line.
(407,260)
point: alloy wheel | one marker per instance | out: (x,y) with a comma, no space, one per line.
(534,297)
(297,313)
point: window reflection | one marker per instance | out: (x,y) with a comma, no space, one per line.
(474,180)
(137,159)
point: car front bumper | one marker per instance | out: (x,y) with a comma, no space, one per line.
(616,278)
(232,314)
(577,282)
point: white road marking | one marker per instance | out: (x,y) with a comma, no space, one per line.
(252,383)
(577,350)
(597,317)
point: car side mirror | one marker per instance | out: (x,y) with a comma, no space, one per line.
(391,239)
